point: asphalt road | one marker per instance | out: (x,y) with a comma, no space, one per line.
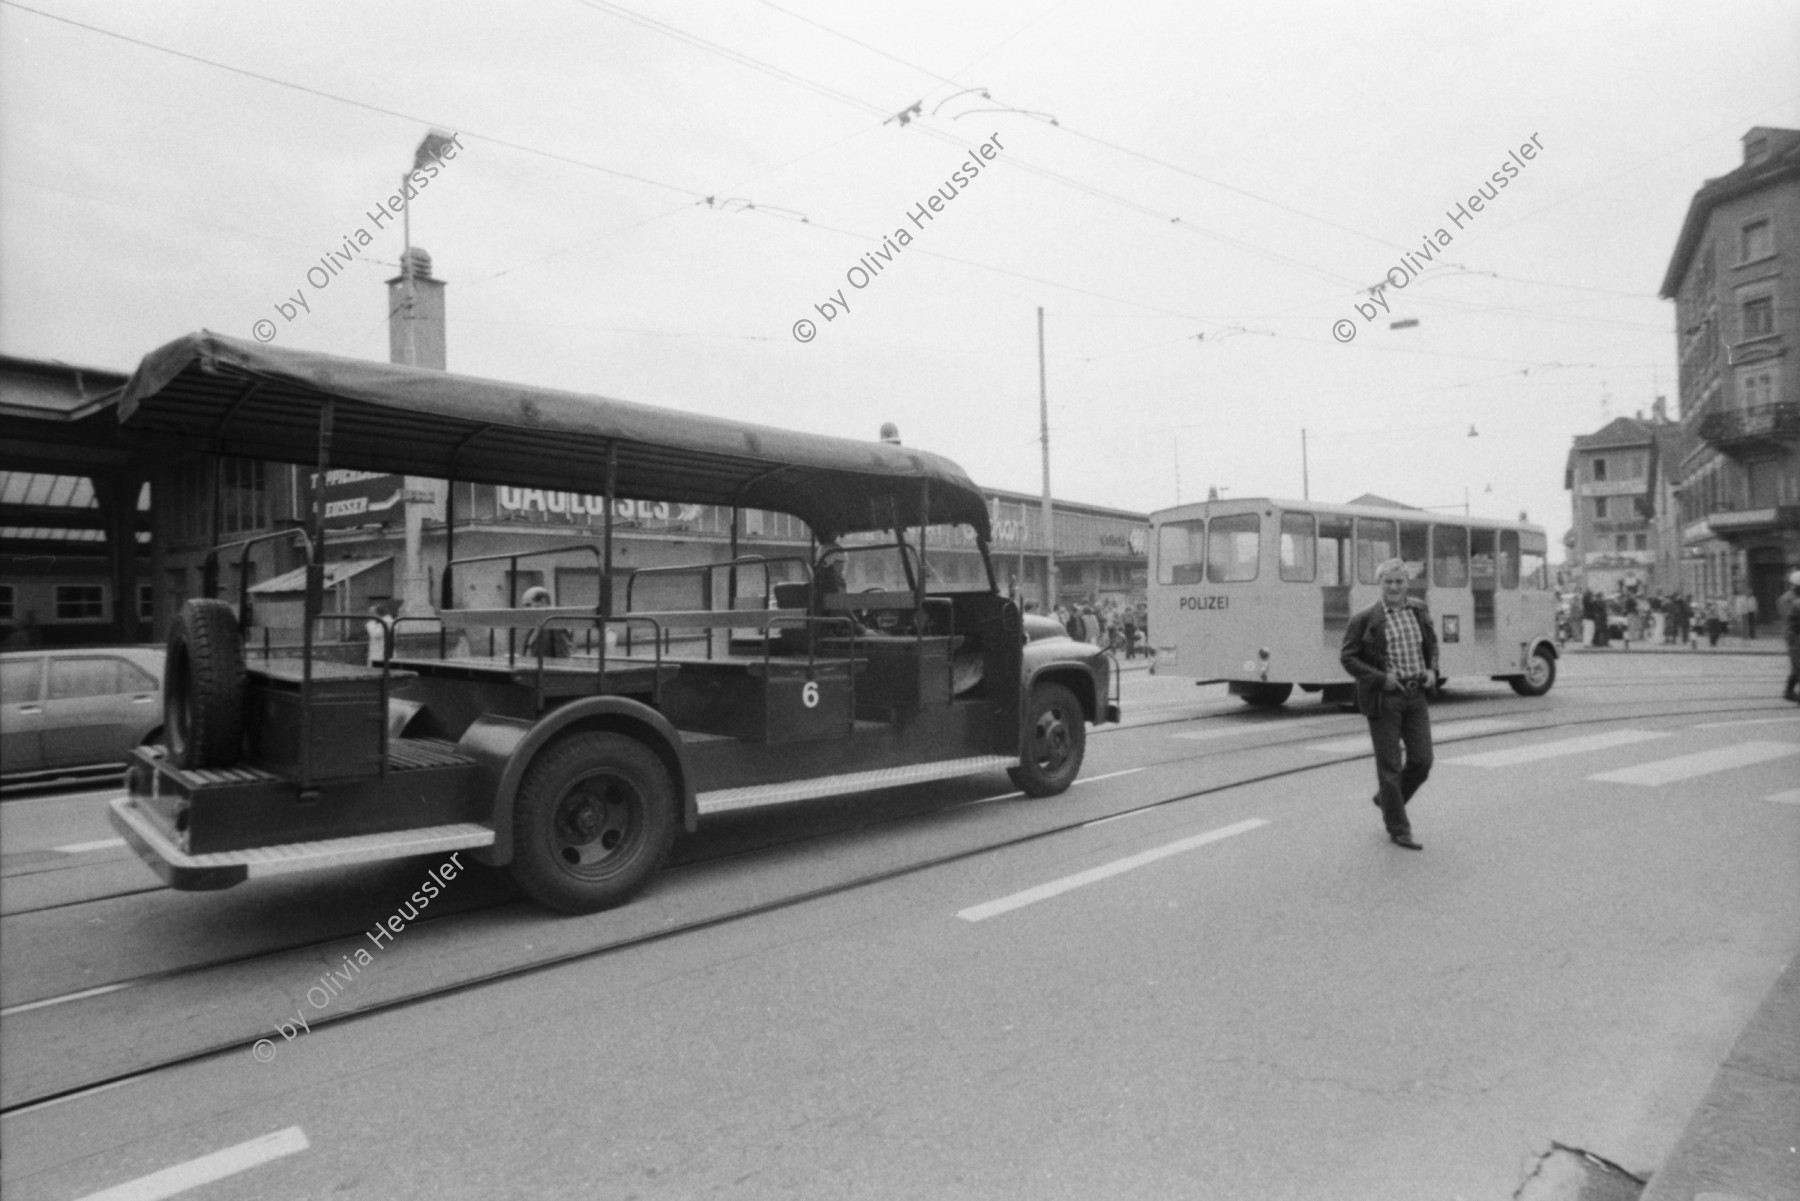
(1203,973)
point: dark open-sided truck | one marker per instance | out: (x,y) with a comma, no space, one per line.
(575,770)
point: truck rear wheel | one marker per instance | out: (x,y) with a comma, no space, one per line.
(1267,696)
(1054,744)
(203,686)
(594,819)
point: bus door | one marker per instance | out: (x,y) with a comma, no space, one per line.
(1181,639)
(1510,628)
(1335,578)
(1452,602)
(1484,582)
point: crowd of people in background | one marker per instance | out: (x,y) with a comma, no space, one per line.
(1115,626)
(1673,619)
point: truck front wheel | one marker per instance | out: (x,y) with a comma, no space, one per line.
(594,819)
(1055,742)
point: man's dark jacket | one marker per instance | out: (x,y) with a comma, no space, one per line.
(1365,650)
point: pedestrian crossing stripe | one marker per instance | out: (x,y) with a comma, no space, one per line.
(1659,772)
(1535,751)
(1449,731)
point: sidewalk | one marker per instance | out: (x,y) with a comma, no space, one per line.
(1728,645)
(1741,1144)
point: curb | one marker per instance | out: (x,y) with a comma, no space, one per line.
(1743,1142)
(1764,647)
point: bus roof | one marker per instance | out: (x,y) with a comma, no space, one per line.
(208,392)
(1238,504)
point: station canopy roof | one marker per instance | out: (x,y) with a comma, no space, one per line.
(208,392)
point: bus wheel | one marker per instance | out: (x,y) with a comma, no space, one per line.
(1268,696)
(203,686)
(1055,742)
(594,819)
(1540,673)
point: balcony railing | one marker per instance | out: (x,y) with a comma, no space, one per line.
(1738,427)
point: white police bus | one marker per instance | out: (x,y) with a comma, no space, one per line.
(1256,592)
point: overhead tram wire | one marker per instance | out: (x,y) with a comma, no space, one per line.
(700,198)
(780,73)
(1098,141)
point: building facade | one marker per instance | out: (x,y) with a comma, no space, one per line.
(1733,278)
(1623,527)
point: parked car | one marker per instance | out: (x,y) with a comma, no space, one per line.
(66,709)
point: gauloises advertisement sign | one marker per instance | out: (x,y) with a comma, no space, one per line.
(576,508)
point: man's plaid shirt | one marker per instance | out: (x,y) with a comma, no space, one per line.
(1405,646)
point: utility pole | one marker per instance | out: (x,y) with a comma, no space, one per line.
(1051,594)
(1305,482)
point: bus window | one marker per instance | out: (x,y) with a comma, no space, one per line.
(1450,556)
(1232,548)
(1413,548)
(1532,564)
(1180,552)
(1334,551)
(1298,548)
(1509,558)
(1374,545)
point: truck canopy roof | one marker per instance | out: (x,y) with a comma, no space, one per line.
(207,392)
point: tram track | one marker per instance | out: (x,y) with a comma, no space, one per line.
(237,1039)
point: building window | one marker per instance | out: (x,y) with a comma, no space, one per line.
(146,602)
(1756,387)
(80,602)
(1757,241)
(1621,542)
(1759,317)
(6,602)
(1600,508)
(1640,542)
(1599,469)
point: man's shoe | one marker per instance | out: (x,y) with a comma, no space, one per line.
(1406,840)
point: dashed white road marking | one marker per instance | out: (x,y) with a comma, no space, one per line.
(1533,752)
(208,1168)
(1203,735)
(99,844)
(1702,763)
(1043,892)
(1449,731)
(1790,797)
(83,995)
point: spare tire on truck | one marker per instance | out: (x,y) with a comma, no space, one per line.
(203,686)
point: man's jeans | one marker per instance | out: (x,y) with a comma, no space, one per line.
(1401,732)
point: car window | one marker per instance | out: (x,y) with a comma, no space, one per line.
(19,681)
(133,678)
(72,678)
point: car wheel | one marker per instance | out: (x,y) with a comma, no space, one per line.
(1540,673)
(1268,696)
(203,686)
(1055,741)
(594,819)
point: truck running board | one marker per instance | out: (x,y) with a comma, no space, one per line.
(726,799)
(222,869)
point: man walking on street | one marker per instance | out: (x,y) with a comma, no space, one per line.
(1790,626)
(1392,650)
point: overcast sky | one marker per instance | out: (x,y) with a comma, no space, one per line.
(651,195)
